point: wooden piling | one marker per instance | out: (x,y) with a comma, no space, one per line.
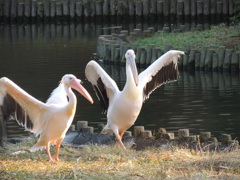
(234,62)
(191,60)
(81,125)
(203,55)
(197,60)
(87,129)
(166,8)
(199,8)
(52,9)
(145,8)
(34,9)
(72,8)
(183,133)
(187,7)
(79,10)
(146,134)
(206,7)
(215,62)
(99,8)
(193,8)
(27,8)
(180,8)
(205,136)
(13,10)
(127,134)
(65,4)
(225,138)
(7,8)
(46,9)
(227,59)
(39,11)
(138,9)
(138,130)
(208,60)
(213,7)
(173,7)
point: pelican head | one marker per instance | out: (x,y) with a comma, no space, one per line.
(72,82)
(130,57)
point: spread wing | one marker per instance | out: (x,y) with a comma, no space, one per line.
(103,85)
(163,70)
(17,103)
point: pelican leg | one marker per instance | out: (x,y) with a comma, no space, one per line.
(48,152)
(121,134)
(58,143)
(119,137)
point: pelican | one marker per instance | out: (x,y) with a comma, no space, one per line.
(123,107)
(50,120)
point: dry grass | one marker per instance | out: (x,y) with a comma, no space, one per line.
(107,162)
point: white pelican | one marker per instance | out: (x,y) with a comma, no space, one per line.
(123,107)
(50,120)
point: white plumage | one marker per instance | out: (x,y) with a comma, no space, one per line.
(50,120)
(123,107)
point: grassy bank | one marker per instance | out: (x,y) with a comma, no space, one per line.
(220,35)
(107,162)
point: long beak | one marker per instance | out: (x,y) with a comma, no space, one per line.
(78,87)
(133,68)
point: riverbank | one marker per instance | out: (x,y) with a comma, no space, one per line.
(214,49)
(111,162)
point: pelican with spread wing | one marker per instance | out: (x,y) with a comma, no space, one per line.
(123,107)
(50,120)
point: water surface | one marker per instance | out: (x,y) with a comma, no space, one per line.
(36,57)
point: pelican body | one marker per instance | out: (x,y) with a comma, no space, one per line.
(123,107)
(50,120)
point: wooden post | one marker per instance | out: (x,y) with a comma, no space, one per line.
(225,7)
(59,10)
(197,60)
(40,10)
(72,8)
(173,7)
(146,134)
(206,7)
(53,9)
(81,125)
(203,55)
(87,129)
(199,8)
(145,8)
(159,9)
(187,7)
(225,138)
(27,8)
(79,9)
(213,7)
(180,8)
(153,7)
(7,8)
(193,8)
(208,60)
(99,8)
(227,59)
(20,11)
(34,9)
(143,57)
(138,130)
(46,9)
(4,127)
(183,133)
(13,10)
(166,8)
(127,133)
(234,62)
(205,136)
(215,62)
(105,7)
(191,60)
(65,4)
(221,55)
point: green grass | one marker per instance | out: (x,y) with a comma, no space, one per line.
(111,162)
(220,35)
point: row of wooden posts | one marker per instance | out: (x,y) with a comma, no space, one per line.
(112,49)
(12,9)
(182,135)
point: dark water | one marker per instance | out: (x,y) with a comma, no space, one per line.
(36,57)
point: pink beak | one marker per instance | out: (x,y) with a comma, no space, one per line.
(78,87)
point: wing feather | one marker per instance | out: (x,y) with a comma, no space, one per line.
(162,71)
(15,102)
(103,85)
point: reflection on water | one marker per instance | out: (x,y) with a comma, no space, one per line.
(36,57)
